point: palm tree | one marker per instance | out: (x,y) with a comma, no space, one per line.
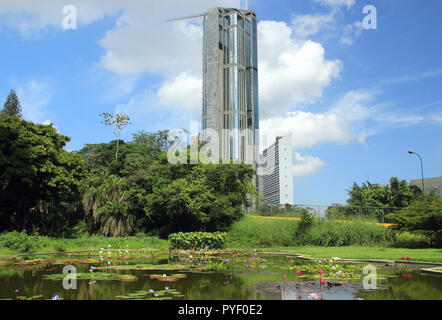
(106,200)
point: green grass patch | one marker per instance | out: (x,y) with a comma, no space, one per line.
(20,243)
(259,232)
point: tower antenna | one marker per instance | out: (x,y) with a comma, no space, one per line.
(246,6)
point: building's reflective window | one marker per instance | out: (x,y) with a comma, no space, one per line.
(254,37)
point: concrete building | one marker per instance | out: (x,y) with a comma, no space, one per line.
(430,184)
(230,82)
(277,178)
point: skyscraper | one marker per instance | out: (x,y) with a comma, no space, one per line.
(277,178)
(230,82)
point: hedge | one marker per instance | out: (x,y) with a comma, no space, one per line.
(197,240)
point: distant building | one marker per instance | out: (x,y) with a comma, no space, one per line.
(277,179)
(430,184)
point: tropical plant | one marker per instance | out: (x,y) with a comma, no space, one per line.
(106,200)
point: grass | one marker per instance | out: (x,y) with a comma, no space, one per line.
(16,243)
(276,232)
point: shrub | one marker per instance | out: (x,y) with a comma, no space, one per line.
(197,240)
(411,240)
(19,241)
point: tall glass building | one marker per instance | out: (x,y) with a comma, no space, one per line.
(230,82)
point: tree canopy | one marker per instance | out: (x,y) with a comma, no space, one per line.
(377,201)
(35,171)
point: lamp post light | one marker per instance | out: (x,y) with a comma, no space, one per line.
(422,169)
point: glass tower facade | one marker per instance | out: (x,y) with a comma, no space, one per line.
(230,81)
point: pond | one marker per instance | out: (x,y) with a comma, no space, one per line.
(159,275)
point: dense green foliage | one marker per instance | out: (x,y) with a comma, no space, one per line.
(39,180)
(143,192)
(197,240)
(114,189)
(376,201)
(256,232)
(423,216)
(19,242)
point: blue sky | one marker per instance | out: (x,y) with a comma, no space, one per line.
(352,100)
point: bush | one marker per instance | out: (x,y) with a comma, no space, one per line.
(19,241)
(197,240)
(411,240)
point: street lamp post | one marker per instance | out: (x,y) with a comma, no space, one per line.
(422,169)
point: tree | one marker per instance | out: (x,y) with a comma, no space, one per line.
(196,197)
(143,192)
(424,215)
(377,200)
(12,106)
(35,170)
(106,200)
(119,122)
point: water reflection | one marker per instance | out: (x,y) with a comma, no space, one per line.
(210,278)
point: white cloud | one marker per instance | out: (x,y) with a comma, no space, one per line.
(415,77)
(351,32)
(306,25)
(306,129)
(183,91)
(305,165)
(291,70)
(34,97)
(336,3)
(353,117)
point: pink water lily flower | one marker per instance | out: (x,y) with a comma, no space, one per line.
(321,271)
(298,272)
(313,296)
